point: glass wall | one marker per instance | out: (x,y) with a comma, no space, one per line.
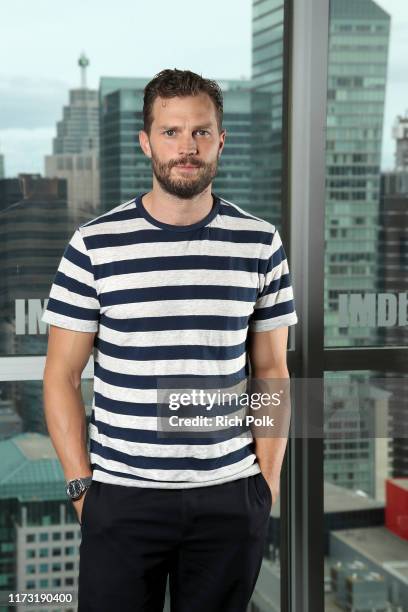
(365,299)
(366,223)
(90,161)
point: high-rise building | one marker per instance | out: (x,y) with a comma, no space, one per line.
(40,534)
(11,423)
(356,448)
(267,108)
(234,178)
(125,170)
(380,583)
(2,169)
(81,172)
(78,130)
(34,231)
(358,51)
(393,284)
(75,155)
(400,133)
(393,242)
(10,192)
(357,70)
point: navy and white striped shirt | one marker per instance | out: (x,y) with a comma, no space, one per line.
(168,300)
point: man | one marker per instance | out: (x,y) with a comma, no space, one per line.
(177,282)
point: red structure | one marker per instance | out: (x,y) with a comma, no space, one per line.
(396,509)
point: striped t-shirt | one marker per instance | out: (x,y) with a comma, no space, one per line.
(168,301)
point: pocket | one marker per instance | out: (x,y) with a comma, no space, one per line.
(267,489)
(85,504)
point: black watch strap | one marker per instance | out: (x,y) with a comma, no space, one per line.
(76,487)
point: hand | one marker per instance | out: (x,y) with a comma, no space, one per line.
(274,487)
(78,503)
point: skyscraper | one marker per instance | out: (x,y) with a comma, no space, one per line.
(40,535)
(394,248)
(357,70)
(400,133)
(33,233)
(358,51)
(75,155)
(78,130)
(357,67)
(267,108)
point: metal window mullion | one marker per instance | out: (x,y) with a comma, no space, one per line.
(308,93)
(285,530)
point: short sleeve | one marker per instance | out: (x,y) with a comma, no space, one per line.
(73,301)
(275,306)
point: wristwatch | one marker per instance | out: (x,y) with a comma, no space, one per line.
(77,486)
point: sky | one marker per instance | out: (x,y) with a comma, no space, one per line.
(40,43)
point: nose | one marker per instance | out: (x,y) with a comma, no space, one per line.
(187,144)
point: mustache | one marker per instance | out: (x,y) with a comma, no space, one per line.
(186,162)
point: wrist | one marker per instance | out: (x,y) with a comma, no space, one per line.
(76,487)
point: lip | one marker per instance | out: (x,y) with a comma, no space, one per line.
(187,167)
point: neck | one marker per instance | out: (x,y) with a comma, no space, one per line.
(168,208)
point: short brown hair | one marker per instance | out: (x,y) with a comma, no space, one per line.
(171,83)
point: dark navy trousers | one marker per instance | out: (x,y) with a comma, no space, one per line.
(208,541)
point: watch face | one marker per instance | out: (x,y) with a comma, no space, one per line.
(75,488)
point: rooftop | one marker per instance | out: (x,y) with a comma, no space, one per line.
(377,544)
(400,482)
(30,468)
(339,499)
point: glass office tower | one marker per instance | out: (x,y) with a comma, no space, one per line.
(267,108)
(75,155)
(358,51)
(78,130)
(357,70)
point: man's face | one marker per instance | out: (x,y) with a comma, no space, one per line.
(184,144)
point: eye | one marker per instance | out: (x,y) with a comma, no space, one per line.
(167,131)
(203,131)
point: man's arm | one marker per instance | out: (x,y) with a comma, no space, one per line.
(67,355)
(267,353)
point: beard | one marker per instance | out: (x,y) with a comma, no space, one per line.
(188,186)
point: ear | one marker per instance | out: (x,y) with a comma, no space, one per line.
(222,142)
(144,143)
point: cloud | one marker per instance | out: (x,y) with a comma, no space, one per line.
(31,103)
(30,109)
(24,149)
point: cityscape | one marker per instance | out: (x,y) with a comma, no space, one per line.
(96,163)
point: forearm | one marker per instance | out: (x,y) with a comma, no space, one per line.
(271,441)
(65,417)
(270,453)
